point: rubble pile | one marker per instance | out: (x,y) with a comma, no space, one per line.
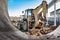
(39,31)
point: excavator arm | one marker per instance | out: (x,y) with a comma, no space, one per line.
(36,11)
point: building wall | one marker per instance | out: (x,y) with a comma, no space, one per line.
(57,16)
(51,20)
(57,13)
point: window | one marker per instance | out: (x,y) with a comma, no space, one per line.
(27,13)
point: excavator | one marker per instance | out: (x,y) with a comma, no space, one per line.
(35,20)
(32,15)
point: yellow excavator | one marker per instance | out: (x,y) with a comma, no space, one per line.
(31,15)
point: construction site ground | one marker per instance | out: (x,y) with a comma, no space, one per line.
(39,31)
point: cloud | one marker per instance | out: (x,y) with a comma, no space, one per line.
(15,12)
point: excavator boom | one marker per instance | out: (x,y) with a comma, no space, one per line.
(36,11)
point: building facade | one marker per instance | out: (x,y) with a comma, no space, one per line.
(51,18)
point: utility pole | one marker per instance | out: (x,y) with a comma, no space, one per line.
(54,14)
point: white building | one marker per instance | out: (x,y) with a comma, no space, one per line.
(51,18)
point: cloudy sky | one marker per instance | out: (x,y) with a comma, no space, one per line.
(16,7)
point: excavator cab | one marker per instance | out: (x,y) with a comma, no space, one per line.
(28,19)
(28,13)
